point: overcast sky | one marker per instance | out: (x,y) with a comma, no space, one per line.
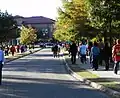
(29,8)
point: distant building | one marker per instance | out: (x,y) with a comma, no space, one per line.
(43,25)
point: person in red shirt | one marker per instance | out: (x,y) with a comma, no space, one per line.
(116,55)
(12,49)
(18,48)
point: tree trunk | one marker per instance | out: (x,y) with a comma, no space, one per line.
(105,36)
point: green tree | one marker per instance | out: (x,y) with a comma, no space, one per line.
(8,27)
(28,35)
(104,15)
(71,20)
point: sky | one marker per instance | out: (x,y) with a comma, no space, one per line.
(28,8)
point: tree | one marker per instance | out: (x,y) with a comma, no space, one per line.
(28,35)
(71,20)
(104,15)
(8,27)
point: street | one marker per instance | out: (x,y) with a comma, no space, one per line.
(39,75)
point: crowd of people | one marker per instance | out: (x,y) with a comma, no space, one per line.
(14,49)
(97,51)
(7,50)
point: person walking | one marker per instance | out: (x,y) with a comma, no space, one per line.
(73,51)
(83,52)
(22,48)
(69,50)
(106,52)
(79,56)
(18,48)
(116,55)
(12,49)
(1,63)
(6,51)
(59,49)
(101,46)
(55,50)
(90,45)
(95,51)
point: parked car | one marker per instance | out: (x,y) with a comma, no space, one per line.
(42,45)
(49,45)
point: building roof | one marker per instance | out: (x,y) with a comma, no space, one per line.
(34,20)
(38,20)
(17,16)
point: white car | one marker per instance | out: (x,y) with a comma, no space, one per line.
(49,45)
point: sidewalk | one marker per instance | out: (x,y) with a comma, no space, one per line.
(101,77)
(101,71)
(19,55)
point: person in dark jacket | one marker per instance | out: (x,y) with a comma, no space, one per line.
(13,50)
(73,51)
(55,50)
(6,51)
(106,52)
(101,46)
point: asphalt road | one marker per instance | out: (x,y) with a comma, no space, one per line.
(40,75)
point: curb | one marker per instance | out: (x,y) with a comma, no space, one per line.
(12,59)
(102,88)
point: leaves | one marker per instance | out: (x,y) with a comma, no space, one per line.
(8,27)
(28,35)
(71,20)
(79,18)
(103,14)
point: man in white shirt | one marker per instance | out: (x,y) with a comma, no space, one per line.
(1,63)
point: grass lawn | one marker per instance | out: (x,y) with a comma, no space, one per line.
(113,85)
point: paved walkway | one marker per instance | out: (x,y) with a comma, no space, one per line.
(109,75)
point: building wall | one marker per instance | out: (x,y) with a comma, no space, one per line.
(45,29)
(19,21)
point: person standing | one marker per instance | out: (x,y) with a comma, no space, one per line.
(1,63)
(116,55)
(73,51)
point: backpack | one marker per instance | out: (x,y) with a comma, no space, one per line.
(117,50)
(95,51)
